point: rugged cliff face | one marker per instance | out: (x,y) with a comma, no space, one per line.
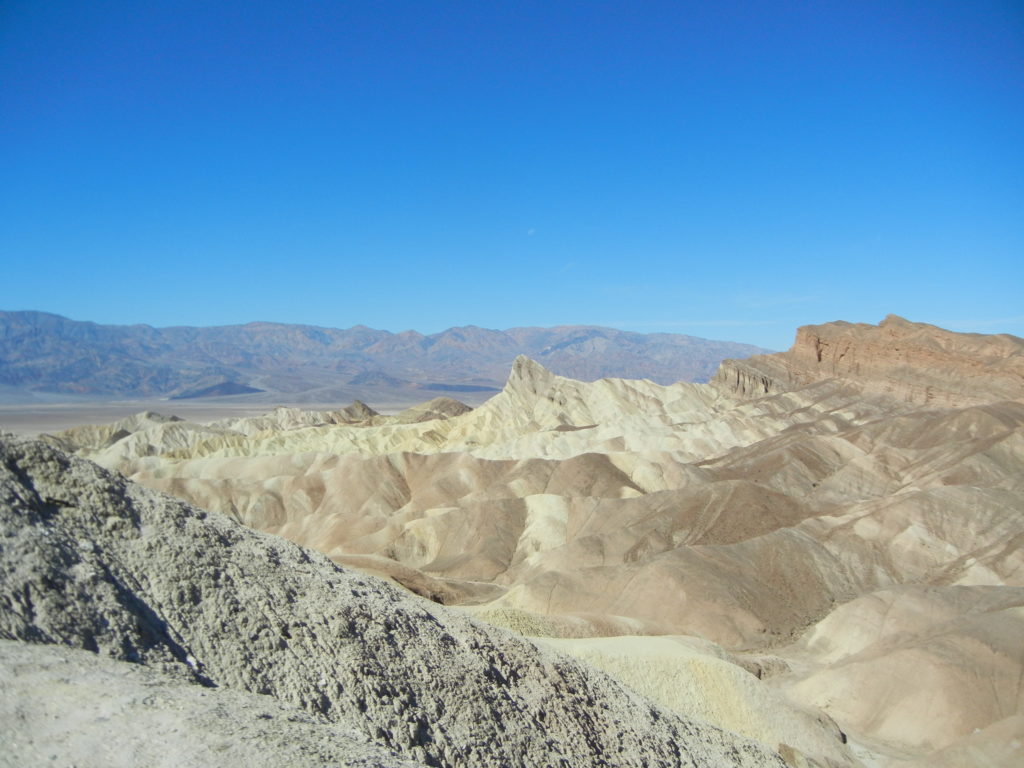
(910,362)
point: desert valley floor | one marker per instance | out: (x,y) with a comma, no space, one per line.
(816,559)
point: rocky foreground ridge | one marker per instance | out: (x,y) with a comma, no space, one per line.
(823,555)
(352,671)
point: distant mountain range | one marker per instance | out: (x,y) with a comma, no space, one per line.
(48,356)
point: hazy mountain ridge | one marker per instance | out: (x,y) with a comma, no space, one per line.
(42,352)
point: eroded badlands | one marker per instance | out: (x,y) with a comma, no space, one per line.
(821,552)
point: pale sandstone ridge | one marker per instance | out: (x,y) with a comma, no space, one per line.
(94,562)
(822,559)
(912,362)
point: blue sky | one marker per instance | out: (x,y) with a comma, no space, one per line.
(729,170)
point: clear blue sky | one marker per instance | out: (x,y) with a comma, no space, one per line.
(725,169)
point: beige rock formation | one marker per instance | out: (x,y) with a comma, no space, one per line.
(840,524)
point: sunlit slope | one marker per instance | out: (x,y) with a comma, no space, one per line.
(537,415)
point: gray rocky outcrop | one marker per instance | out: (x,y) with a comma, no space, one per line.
(91,561)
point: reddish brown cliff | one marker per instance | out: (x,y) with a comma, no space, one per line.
(912,362)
